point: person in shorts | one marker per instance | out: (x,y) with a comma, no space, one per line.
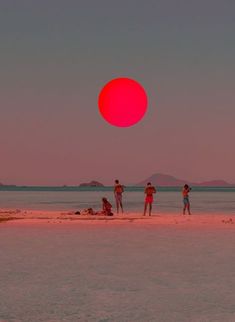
(149,191)
(118,190)
(185,193)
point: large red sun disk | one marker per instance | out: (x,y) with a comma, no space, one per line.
(122,102)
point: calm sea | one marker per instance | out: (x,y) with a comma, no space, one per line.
(206,199)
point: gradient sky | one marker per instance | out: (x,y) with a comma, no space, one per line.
(55,56)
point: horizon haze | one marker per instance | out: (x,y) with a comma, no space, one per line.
(56,57)
(158,179)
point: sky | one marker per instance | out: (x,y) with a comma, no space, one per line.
(56,56)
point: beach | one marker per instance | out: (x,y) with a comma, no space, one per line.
(17,216)
(58,266)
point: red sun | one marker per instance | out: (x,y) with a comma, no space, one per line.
(122,102)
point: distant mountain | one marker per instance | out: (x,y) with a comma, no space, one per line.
(92,183)
(215,183)
(165,180)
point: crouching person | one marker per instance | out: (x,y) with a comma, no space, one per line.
(107,207)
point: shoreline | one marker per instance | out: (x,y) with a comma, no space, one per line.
(167,219)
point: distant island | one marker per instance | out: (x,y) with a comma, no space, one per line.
(7,185)
(165,180)
(91,184)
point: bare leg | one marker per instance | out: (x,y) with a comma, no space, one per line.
(145,208)
(150,209)
(189,212)
(184,209)
(121,206)
(117,205)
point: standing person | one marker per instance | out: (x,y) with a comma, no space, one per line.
(118,190)
(186,202)
(149,191)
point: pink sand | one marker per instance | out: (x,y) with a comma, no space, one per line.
(36,217)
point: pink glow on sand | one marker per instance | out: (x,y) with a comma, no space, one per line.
(168,219)
(122,102)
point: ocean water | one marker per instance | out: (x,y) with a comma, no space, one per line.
(207,199)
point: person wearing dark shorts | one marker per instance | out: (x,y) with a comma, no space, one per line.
(118,190)
(149,191)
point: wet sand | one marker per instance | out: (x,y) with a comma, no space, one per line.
(65,267)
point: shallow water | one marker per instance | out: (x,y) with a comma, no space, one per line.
(167,200)
(53,272)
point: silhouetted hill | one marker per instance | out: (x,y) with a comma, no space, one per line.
(165,180)
(215,183)
(7,185)
(92,183)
